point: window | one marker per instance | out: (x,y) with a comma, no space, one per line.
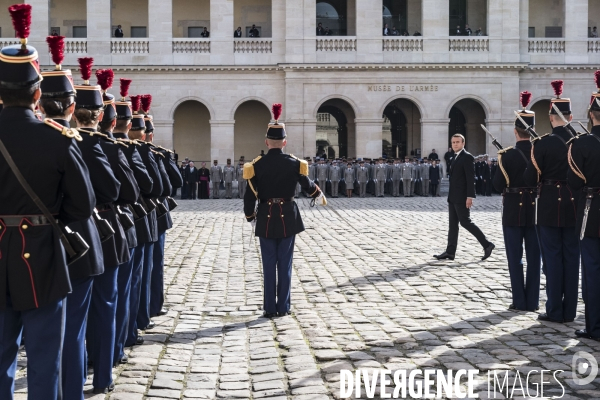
(458,15)
(554,32)
(139,32)
(80,31)
(532,31)
(195,31)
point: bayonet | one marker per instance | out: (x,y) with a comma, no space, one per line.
(528,128)
(568,126)
(586,212)
(583,127)
(494,140)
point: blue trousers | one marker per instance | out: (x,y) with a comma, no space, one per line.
(561,255)
(45,334)
(123,298)
(74,357)
(157,283)
(277,255)
(101,326)
(525,291)
(590,260)
(143,317)
(134,295)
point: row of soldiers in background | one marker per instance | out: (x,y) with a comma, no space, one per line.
(376,177)
(81,300)
(551,187)
(485,170)
(200,182)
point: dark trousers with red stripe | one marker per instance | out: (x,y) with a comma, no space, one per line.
(157,280)
(525,288)
(143,317)
(45,334)
(123,298)
(277,255)
(134,295)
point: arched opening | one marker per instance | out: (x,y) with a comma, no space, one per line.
(336,130)
(190,18)
(547,18)
(402,17)
(468,18)
(466,117)
(336,18)
(251,120)
(401,129)
(191,131)
(132,16)
(542,121)
(253,13)
(67,18)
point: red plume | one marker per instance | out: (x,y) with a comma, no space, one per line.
(85,66)
(105,78)
(525,99)
(21,19)
(597,79)
(136,101)
(146,102)
(125,87)
(276,111)
(57,48)
(558,87)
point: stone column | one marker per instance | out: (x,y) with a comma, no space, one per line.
(294,31)
(576,23)
(309,12)
(435,136)
(40,20)
(369,31)
(436,16)
(99,29)
(278,29)
(503,30)
(295,137)
(163,133)
(369,136)
(221,139)
(221,27)
(310,138)
(160,31)
(524,31)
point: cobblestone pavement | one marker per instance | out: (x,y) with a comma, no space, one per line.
(366,294)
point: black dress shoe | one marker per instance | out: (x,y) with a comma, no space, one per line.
(582,333)
(445,256)
(163,311)
(545,317)
(150,325)
(283,314)
(104,390)
(488,251)
(269,315)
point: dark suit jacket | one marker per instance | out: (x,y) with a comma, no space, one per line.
(434,174)
(192,176)
(462,178)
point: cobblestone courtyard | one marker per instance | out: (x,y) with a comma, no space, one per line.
(366,293)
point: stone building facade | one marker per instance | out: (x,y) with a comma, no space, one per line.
(379,94)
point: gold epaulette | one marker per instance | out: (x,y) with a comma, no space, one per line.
(504,150)
(71,133)
(303,165)
(249,168)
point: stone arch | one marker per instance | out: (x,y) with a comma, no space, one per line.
(336,128)
(194,98)
(466,115)
(486,107)
(416,101)
(192,130)
(251,120)
(401,128)
(251,98)
(340,97)
(541,107)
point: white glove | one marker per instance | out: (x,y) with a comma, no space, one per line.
(253,223)
(321,200)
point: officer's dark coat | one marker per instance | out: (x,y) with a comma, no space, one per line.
(144,181)
(128,194)
(557,203)
(585,152)
(106,188)
(164,221)
(157,186)
(52,164)
(275,176)
(518,209)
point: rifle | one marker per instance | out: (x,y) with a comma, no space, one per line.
(529,129)
(494,140)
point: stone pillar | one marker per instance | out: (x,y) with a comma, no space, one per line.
(369,136)
(576,23)
(503,30)
(278,29)
(221,139)
(160,30)
(221,26)
(310,138)
(368,30)
(310,31)
(99,30)
(294,31)
(163,133)
(40,20)
(436,17)
(524,31)
(435,136)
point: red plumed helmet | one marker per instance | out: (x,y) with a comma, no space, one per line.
(105,78)
(136,101)
(146,103)
(558,87)
(525,99)
(85,66)
(125,87)
(597,79)
(21,19)
(277,107)
(56,44)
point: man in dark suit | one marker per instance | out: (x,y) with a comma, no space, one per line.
(433,155)
(435,174)
(460,200)
(119,31)
(518,216)
(448,158)
(238,32)
(191,177)
(320,30)
(253,32)
(272,181)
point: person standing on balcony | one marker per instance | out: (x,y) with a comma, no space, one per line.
(468,31)
(327,32)
(254,32)
(205,33)
(386,30)
(458,32)
(395,31)
(237,32)
(118,31)
(320,30)
(594,32)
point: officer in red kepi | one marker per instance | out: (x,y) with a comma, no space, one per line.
(272,181)
(34,280)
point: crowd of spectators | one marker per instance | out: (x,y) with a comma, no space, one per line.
(467,31)
(395,32)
